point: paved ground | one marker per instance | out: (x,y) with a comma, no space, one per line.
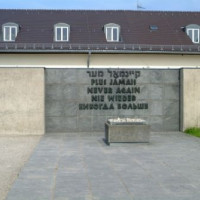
(14,152)
(85,168)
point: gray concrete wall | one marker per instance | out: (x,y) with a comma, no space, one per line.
(22,101)
(190,98)
(66,89)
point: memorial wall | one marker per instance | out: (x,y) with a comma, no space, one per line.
(82,100)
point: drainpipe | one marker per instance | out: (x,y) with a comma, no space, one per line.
(88,59)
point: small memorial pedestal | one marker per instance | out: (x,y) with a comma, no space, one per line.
(126,130)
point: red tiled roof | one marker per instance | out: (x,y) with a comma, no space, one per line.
(36,28)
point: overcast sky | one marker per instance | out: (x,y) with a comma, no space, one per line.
(179,5)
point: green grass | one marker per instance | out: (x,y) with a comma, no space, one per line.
(193,131)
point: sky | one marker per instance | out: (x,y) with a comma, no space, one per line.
(170,5)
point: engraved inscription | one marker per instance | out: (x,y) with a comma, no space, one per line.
(113,89)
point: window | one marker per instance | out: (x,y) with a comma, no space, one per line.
(192,30)
(193,34)
(61,32)
(153,27)
(10,31)
(112,32)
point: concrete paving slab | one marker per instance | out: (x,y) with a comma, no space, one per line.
(14,153)
(66,167)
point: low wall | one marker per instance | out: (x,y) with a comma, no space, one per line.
(190,98)
(22,101)
(82,100)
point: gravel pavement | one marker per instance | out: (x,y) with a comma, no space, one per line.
(14,152)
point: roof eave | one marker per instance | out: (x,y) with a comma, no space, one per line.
(101,51)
